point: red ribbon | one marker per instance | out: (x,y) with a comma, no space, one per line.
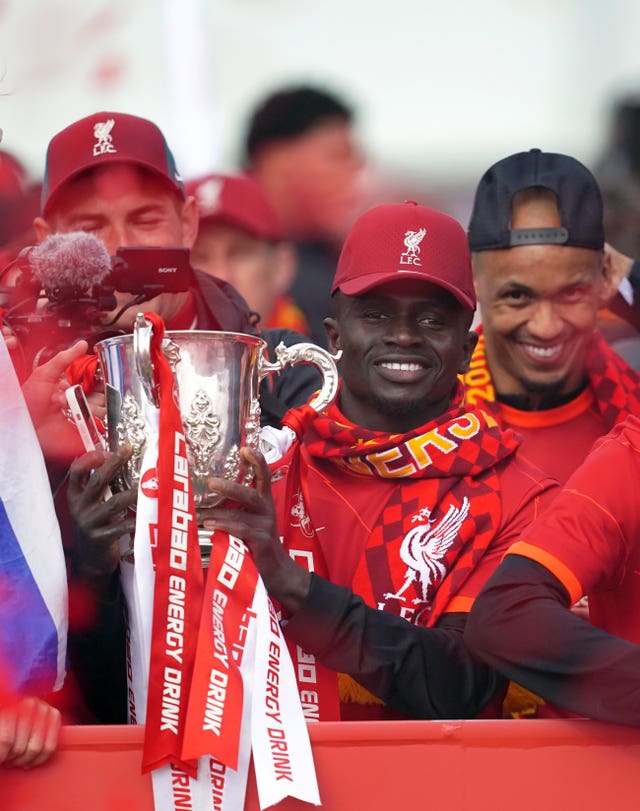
(177,600)
(83,370)
(215,704)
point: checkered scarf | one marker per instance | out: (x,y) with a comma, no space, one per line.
(404,517)
(615,385)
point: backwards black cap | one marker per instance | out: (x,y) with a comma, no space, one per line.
(577,195)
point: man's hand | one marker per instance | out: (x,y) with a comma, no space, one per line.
(254,521)
(44,389)
(99,521)
(616,269)
(29,732)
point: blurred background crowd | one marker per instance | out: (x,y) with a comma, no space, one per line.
(433,93)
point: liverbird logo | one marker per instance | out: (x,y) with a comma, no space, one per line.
(412,240)
(102,134)
(208,194)
(299,516)
(424,547)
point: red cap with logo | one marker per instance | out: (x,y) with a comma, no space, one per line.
(406,241)
(104,138)
(239,201)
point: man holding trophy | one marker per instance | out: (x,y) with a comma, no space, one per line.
(383,514)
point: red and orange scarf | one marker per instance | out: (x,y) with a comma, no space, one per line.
(401,519)
(615,385)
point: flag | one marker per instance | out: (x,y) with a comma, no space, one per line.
(33,583)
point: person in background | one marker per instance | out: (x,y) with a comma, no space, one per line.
(19,198)
(617,170)
(241,241)
(301,147)
(398,500)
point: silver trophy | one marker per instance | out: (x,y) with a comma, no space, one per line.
(217,376)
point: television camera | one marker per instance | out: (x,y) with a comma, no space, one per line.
(64,289)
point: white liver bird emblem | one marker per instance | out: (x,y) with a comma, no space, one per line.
(102,134)
(412,240)
(424,547)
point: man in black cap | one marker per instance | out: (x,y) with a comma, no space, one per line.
(541,273)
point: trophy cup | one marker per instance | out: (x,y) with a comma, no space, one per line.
(217,377)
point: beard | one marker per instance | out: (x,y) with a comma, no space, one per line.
(411,412)
(396,408)
(550,388)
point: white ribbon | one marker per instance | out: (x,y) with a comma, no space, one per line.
(273,725)
(137,583)
(282,755)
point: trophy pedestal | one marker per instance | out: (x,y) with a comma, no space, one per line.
(204,540)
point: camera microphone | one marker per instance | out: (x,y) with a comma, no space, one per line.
(68,265)
(66,287)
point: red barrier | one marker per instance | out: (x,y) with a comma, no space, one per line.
(458,765)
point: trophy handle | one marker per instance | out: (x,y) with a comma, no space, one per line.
(307,353)
(142,332)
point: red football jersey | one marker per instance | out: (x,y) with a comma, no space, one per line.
(557,440)
(590,536)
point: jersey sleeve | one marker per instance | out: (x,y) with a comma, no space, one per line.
(584,538)
(521,624)
(423,672)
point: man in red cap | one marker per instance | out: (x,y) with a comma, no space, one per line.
(385,514)
(241,240)
(113,175)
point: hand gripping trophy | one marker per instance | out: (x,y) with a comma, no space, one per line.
(187,402)
(217,377)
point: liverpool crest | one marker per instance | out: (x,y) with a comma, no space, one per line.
(412,240)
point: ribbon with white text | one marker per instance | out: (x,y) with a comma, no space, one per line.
(177,600)
(215,703)
(282,755)
(208,669)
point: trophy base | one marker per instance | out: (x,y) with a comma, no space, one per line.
(204,541)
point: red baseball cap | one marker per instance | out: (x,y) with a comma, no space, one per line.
(239,201)
(406,241)
(104,138)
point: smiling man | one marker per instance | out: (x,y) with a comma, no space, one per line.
(537,238)
(398,500)
(384,514)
